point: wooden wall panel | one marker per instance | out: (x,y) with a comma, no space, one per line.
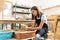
(1,4)
(1,8)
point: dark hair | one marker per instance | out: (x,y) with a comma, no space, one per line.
(39,14)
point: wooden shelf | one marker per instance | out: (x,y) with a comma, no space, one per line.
(21,12)
(21,7)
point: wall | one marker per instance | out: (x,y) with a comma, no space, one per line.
(42,4)
(52,11)
(46,3)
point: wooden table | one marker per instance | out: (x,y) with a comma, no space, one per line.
(56,20)
(57,17)
(15,21)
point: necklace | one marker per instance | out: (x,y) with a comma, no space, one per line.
(38,17)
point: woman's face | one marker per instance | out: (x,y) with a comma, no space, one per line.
(34,12)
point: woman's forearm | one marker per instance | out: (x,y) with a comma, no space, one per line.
(30,28)
(41,25)
(34,28)
(37,28)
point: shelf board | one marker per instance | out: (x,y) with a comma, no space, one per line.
(21,7)
(21,12)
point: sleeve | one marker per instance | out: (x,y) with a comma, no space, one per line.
(44,18)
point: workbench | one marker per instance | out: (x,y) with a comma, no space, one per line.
(20,34)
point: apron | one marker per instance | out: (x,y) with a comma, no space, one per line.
(43,32)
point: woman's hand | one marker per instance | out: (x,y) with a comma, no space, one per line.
(28,28)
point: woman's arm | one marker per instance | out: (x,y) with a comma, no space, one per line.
(43,20)
(37,28)
(41,25)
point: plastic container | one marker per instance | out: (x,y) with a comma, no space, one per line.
(5,35)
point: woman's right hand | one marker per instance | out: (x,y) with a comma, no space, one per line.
(27,28)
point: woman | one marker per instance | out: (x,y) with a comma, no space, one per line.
(41,22)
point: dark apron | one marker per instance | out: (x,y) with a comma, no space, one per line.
(43,32)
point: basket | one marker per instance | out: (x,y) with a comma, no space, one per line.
(24,35)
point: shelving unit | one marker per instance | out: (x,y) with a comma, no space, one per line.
(21,7)
(21,11)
